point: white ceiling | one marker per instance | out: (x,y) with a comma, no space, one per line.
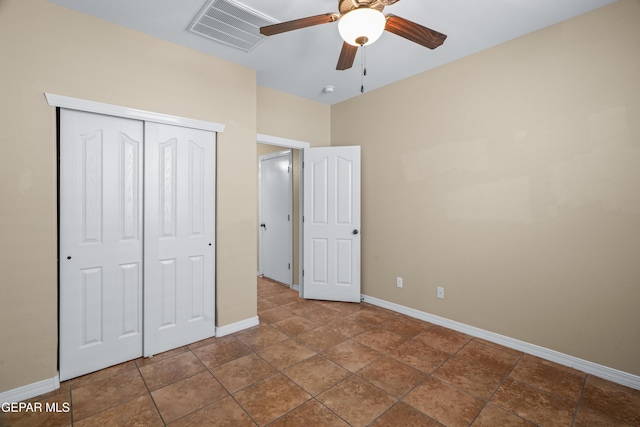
(303,62)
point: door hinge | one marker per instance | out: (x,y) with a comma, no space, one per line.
(302,273)
(302,218)
(289,266)
(288,171)
(288,217)
(302,165)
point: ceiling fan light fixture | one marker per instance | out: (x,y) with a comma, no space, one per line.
(361,26)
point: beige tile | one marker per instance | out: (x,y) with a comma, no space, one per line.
(323,315)
(310,414)
(404,415)
(316,374)
(343,307)
(492,416)
(222,351)
(405,326)
(420,355)
(106,393)
(589,418)
(204,342)
(302,306)
(271,398)
(260,337)
(295,325)
(171,370)
(275,314)
(373,316)
(356,401)
(320,339)
(184,397)
(391,376)
(612,400)
(140,411)
(444,403)
(535,405)
(286,353)
(489,357)
(352,355)
(349,327)
(144,361)
(265,304)
(284,298)
(223,413)
(102,374)
(443,339)
(243,372)
(380,340)
(469,377)
(559,380)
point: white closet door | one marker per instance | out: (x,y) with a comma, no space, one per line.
(179,258)
(100,241)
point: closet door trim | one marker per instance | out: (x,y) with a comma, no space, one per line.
(130,113)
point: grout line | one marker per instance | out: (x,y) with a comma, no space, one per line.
(575,413)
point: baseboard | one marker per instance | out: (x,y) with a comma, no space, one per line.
(221,331)
(30,390)
(619,377)
(295,287)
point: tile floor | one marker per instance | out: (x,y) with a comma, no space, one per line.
(313,363)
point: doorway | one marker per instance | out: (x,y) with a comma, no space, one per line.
(275,201)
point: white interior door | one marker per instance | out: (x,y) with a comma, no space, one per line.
(331,269)
(179,258)
(276,196)
(100,241)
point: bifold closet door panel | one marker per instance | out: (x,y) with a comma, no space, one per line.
(179,256)
(100,241)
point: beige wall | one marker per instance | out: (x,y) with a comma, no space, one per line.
(512,179)
(48,48)
(287,116)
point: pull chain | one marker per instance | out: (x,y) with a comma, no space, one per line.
(363,66)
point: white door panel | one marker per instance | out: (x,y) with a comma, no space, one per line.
(100,241)
(332,223)
(179,260)
(276,239)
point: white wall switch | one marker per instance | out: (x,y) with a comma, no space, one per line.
(399,282)
(440,292)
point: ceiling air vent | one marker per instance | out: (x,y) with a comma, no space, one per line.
(231,23)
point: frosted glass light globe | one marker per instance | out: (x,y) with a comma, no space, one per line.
(359,23)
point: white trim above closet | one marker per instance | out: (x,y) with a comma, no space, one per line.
(130,113)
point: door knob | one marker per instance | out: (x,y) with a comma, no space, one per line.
(264,226)
(354,232)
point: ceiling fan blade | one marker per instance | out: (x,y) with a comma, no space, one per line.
(415,32)
(296,24)
(347,56)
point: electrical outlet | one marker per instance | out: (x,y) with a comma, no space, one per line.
(399,282)
(440,292)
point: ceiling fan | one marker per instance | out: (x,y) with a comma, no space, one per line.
(360,23)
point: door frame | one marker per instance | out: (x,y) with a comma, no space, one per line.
(289,154)
(299,145)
